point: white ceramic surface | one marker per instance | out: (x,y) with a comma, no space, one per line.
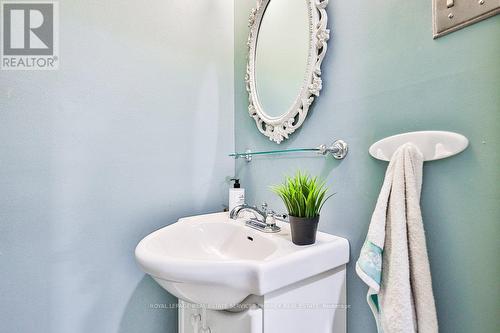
(434,145)
(214,260)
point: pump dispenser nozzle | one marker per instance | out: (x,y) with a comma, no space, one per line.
(236,182)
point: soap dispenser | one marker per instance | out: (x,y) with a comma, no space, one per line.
(236,194)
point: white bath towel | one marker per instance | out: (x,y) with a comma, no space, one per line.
(393,260)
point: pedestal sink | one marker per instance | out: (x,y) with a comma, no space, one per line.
(219,262)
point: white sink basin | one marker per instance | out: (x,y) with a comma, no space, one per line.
(216,261)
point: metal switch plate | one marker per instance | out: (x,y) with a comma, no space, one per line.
(451,15)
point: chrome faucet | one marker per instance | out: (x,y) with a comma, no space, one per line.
(264,219)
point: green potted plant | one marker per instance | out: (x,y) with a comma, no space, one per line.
(304,196)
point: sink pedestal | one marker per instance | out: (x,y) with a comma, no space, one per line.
(316,304)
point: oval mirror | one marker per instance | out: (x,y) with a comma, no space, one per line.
(281,55)
(287,43)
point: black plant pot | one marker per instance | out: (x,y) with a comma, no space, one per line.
(304,229)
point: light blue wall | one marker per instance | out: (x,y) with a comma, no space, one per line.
(100,153)
(129,135)
(384,74)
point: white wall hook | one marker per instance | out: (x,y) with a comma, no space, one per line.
(434,145)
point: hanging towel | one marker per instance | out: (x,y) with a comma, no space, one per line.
(393,260)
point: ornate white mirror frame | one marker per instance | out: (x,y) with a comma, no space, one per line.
(279,128)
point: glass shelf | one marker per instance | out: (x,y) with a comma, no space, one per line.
(271,152)
(338,149)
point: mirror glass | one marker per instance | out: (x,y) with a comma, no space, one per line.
(281,55)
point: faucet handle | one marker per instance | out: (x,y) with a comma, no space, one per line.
(264,207)
(281,217)
(271,216)
(271,222)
